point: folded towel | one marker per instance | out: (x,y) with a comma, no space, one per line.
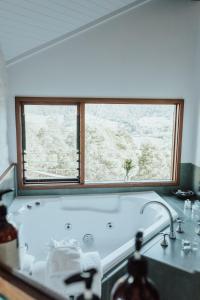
(87,261)
(65,258)
(63,255)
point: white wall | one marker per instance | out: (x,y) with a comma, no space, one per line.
(197,78)
(3,117)
(146,52)
(197,142)
(197,154)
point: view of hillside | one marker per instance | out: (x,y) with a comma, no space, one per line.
(123,142)
(141,134)
(51,141)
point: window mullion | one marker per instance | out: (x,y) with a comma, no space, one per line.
(82,142)
(23,142)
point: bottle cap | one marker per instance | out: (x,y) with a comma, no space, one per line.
(3,210)
(137,265)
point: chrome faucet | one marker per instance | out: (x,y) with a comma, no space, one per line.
(172,234)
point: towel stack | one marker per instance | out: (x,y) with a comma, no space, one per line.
(64,259)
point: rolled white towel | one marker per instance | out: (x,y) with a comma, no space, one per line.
(38,271)
(26,260)
(27,263)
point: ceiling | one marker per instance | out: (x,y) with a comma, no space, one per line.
(27,26)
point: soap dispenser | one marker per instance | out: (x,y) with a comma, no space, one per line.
(87,278)
(135,285)
(9,248)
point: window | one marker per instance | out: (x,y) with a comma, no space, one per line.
(50,143)
(98,142)
(129,142)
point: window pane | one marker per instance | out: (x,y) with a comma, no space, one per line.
(51,142)
(129,142)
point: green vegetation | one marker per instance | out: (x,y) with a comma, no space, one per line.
(113,133)
(128,166)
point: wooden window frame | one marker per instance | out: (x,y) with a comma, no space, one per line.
(178,127)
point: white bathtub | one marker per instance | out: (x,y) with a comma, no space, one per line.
(110,219)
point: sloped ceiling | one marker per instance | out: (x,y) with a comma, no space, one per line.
(30,25)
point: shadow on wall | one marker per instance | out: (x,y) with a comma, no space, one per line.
(4,163)
(196,180)
(8,182)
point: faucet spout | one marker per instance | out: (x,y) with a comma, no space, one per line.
(172,234)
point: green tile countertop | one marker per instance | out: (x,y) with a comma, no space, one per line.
(175,274)
(173,254)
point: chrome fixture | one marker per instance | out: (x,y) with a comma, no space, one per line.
(198,228)
(186,246)
(172,234)
(179,228)
(88,239)
(164,242)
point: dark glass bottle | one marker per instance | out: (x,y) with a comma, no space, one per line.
(9,250)
(135,285)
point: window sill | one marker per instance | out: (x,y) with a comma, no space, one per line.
(95,185)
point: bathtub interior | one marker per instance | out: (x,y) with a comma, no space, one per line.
(110,220)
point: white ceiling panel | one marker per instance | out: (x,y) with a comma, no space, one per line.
(29,25)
